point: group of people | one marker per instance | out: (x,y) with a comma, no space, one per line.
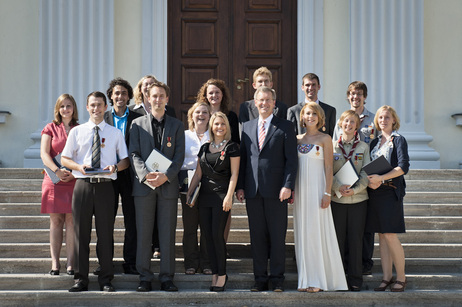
(269,156)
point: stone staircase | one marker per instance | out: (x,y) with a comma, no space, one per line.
(432,244)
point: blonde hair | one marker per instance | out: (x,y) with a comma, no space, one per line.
(137,93)
(75,114)
(393,113)
(261,72)
(225,119)
(349,113)
(318,110)
(191,110)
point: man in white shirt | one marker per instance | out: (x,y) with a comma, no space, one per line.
(97,145)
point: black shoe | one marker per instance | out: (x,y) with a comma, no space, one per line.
(145,286)
(355,288)
(70,272)
(130,269)
(107,288)
(79,287)
(168,286)
(259,286)
(220,289)
(54,272)
(278,286)
(97,270)
(367,272)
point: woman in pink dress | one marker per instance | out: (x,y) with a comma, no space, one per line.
(57,198)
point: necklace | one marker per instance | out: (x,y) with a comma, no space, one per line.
(216,146)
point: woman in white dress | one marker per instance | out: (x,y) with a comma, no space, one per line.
(319,263)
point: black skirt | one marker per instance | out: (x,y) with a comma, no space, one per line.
(385,212)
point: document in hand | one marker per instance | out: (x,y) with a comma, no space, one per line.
(346,175)
(194,196)
(156,162)
(54,178)
(378,166)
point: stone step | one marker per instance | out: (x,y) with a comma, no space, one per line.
(235,236)
(433,197)
(234,265)
(237,222)
(21,184)
(21,173)
(434,174)
(17,209)
(237,281)
(231,297)
(239,250)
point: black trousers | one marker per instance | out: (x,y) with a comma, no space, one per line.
(213,222)
(93,199)
(268,228)
(350,221)
(194,256)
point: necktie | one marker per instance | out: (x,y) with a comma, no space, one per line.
(96,150)
(261,135)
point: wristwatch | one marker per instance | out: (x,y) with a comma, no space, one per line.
(116,169)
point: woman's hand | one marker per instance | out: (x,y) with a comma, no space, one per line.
(227,203)
(325,201)
(346,191)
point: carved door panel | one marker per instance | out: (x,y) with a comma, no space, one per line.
(229,40)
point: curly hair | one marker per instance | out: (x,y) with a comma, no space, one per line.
(123,83)
(225,102)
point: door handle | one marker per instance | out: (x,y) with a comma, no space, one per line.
(239,81)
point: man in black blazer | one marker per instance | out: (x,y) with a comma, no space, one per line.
(248,111)
(165,134)
(311,86)
(267,175)
(119,94)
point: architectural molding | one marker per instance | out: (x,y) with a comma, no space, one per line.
(76,56)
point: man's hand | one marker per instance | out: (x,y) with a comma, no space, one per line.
(156,179)
(284,194)
(240,195)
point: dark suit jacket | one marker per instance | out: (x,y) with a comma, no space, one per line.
(170,111)
(272,168)
(248,111)
(108,118)
(141,146)
(293,114)
(399,157)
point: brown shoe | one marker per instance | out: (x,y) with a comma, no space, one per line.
(400,289)
(386,282)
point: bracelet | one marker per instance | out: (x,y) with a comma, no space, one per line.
(325,193)
(383,181)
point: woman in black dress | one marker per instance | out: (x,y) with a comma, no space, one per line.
(217,170)
(386,193)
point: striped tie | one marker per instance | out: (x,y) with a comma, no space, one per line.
(95,150)
(261,135)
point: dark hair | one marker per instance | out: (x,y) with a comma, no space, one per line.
(121,82)
(310,76)
(161,85)
(97,94)
(359,86)
(225,101)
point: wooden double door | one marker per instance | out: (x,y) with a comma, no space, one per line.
(229,40)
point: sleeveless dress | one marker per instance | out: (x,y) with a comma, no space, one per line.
(319,263)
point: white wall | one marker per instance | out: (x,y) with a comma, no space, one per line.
(19,77)
(443,77)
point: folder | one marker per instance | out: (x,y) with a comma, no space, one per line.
(156,162)
(54,178)
(192,200)
(378,166)
(346,175)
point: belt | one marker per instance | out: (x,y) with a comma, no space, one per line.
(96,180)
(389,183)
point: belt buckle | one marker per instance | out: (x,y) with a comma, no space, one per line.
(94,180)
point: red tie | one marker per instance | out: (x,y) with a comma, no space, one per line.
(261,135)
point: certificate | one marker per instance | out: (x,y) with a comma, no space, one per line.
(156,162)
(346,175)
(378,166)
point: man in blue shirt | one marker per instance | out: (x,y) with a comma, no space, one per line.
(119,93)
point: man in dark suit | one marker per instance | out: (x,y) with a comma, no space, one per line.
(267,175)
(165,134)
(119,94)
(248,111)
(311,86)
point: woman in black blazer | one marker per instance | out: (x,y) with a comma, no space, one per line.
(386,193)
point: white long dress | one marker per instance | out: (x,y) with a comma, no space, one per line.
(318,257)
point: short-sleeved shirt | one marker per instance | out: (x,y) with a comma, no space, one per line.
(79,142)
(58,137)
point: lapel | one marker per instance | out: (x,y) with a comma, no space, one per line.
(108,118)
(253,109)
(148,121)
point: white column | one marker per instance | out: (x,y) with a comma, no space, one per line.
(76,56)
(154,42)
(386,49)
(309,41)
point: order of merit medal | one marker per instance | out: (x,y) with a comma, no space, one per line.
(222,156)
(317,150)
(372,134)
(169,143)
(102,142)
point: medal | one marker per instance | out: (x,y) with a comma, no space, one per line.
(222,156)
(356,160)
(372,134)
(317,149)
(102,142)
(169,144)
